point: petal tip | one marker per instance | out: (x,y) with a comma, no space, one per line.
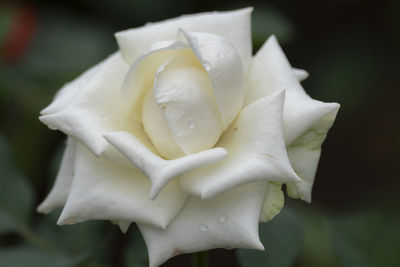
(43,208)
(124,226)
(62,221)
(154,191)
(66,219)
(272,39)
(46,119)
(247,10)
(46,110)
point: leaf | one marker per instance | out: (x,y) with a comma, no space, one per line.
(16,195)
(28,256)
(317,249)
(136,251)
(282,238)
(367,239)
(83,238)
(67,44)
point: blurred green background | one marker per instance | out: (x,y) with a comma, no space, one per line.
(350,48)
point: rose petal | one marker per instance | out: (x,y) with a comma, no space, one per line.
(95,107)
(185,97)
(230,220)
(256,152)
(300,74)
(225,69)
(273,201)
(59,193)
(233,25)
(271,72)
(158,170)
(304,155)
(300,116)
(141,74)
(102,190)
(124,226)
(72,89)
(156,127)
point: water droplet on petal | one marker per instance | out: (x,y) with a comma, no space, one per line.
(191,124)
(206,66)
(203,227)
(221,56)
(222,218)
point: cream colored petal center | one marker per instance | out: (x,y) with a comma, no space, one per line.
(180,114)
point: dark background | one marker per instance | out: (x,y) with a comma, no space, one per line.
(350,48)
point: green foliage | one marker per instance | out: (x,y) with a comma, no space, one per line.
(136,251)
(368,239)
(282,238)
(267,20)
(16,194)
(27,256)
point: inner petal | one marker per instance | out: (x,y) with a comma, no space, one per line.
(225,69)
(157,129)
(186,105)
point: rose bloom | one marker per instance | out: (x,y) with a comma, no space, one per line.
(185,133)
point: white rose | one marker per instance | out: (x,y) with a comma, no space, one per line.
(185,133)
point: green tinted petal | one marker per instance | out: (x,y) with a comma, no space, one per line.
(304,155)
(273,202)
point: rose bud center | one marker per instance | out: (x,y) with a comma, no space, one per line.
(180,114)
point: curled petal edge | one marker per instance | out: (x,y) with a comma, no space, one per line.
(157,169)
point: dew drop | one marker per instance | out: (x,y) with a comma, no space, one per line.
(203,227)
(222,219)
(191,124)
(221,56)
(206,66)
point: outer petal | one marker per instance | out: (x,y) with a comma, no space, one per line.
(91,105)
(256,152)
(72,89)
(234,26)
(103,190)
(158,170)
(304,156)
(225,69)
(59,193)
(306,121)
(229,220)
(300,74)
(124,226)
(273,202)
(271,72)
